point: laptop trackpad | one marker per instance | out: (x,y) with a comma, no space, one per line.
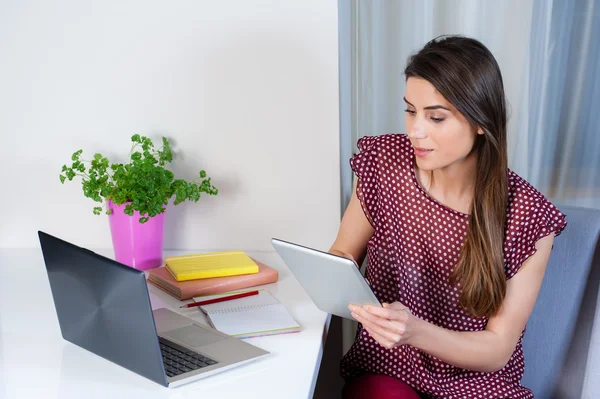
(193,336)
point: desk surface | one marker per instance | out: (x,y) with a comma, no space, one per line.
(36,362)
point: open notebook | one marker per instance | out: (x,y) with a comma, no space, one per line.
(252,316)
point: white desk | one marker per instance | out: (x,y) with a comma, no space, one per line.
(35,362)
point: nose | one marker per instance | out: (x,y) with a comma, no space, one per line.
(417,132)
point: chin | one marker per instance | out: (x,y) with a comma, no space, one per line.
(426,166)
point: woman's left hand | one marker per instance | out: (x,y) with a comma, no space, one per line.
(391,325)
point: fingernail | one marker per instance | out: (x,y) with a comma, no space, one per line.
(354,315)
(367,308)
(351,308)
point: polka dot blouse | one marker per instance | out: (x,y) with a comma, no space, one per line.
(411,255)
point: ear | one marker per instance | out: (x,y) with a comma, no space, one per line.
(480,130)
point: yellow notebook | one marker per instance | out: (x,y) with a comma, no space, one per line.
(209,265)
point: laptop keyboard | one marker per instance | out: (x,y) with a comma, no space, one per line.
(178,362)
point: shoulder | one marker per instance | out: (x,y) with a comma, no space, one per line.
(530,217)
(527,203)
(379,157)
(375,162)
(386,146)
(388,140)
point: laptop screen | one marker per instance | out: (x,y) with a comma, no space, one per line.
(103,306)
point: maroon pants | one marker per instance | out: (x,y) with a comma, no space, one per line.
(380,387)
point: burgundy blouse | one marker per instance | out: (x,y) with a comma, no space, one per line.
(411,255)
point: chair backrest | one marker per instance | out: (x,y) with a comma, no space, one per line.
(559,329)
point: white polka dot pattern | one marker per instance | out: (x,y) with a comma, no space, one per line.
(415,247)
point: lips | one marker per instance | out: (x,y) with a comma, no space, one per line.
(422,152)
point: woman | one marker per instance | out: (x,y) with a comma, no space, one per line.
(457,243)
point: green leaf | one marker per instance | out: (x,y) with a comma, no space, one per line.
(129,210)
(76,155)
(143,181)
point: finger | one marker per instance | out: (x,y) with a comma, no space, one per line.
(381,340)
(365,311)
(388,334)
(380,320)
(388,313)
(385,312)
(387,324)
(397,306)
(385,328)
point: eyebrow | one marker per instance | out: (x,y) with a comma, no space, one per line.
(429,107)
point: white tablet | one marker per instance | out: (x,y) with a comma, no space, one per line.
(332,282)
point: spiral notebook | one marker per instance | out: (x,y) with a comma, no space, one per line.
(248,317)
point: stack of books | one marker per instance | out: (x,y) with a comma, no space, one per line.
(210,273)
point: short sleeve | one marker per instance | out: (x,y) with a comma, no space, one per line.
(365,166)
(529,220)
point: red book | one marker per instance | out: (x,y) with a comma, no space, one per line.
(182,290)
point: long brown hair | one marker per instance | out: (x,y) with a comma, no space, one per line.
(466,73)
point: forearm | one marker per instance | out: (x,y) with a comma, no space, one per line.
(336,252)
(473,350)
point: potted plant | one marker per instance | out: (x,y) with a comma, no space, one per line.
(135,195)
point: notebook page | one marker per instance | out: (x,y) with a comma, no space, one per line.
(266,320)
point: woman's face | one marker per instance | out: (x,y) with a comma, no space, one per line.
(440,135)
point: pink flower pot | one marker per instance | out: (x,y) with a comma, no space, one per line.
(136,244)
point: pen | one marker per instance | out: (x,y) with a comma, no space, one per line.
(221,299)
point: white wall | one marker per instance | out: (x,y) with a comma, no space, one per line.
(247,90)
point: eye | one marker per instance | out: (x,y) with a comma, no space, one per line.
(437,120)
(409,111)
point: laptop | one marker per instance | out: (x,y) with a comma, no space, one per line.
(104,307)
(316,271)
